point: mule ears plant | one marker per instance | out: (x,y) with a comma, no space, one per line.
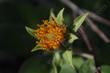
(64,61)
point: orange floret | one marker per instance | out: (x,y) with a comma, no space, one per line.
(50,35)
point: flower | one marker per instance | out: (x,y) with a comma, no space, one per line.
(50,35)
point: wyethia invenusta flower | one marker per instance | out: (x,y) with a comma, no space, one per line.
(50,35)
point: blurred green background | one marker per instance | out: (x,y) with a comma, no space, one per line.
(16,43)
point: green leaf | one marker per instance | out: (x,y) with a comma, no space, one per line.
(78,61)
(54,68)
(67,69)
(55,62)
(78,21)
(36,48)
(57,58)
(60,18)
(87,67)
(35,64)
(67,57)
(52,15)
(30,31)
(105,69)
(72,38)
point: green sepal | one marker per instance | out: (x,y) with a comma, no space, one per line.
(52,15)
(30,31)
(59,18)
(72,38)
(36,48)
(78,21)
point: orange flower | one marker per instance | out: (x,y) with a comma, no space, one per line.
(50,35)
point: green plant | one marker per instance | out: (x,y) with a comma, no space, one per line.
(59,45)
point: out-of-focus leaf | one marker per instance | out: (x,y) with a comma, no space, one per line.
(105,69)
(87,67)
(67,57)
(72,38)
(60,18)
(35,65)
(78,21)
(36,48)
(30,31)
(67,69)
(77,62)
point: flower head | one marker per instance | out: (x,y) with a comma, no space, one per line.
(50,35)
